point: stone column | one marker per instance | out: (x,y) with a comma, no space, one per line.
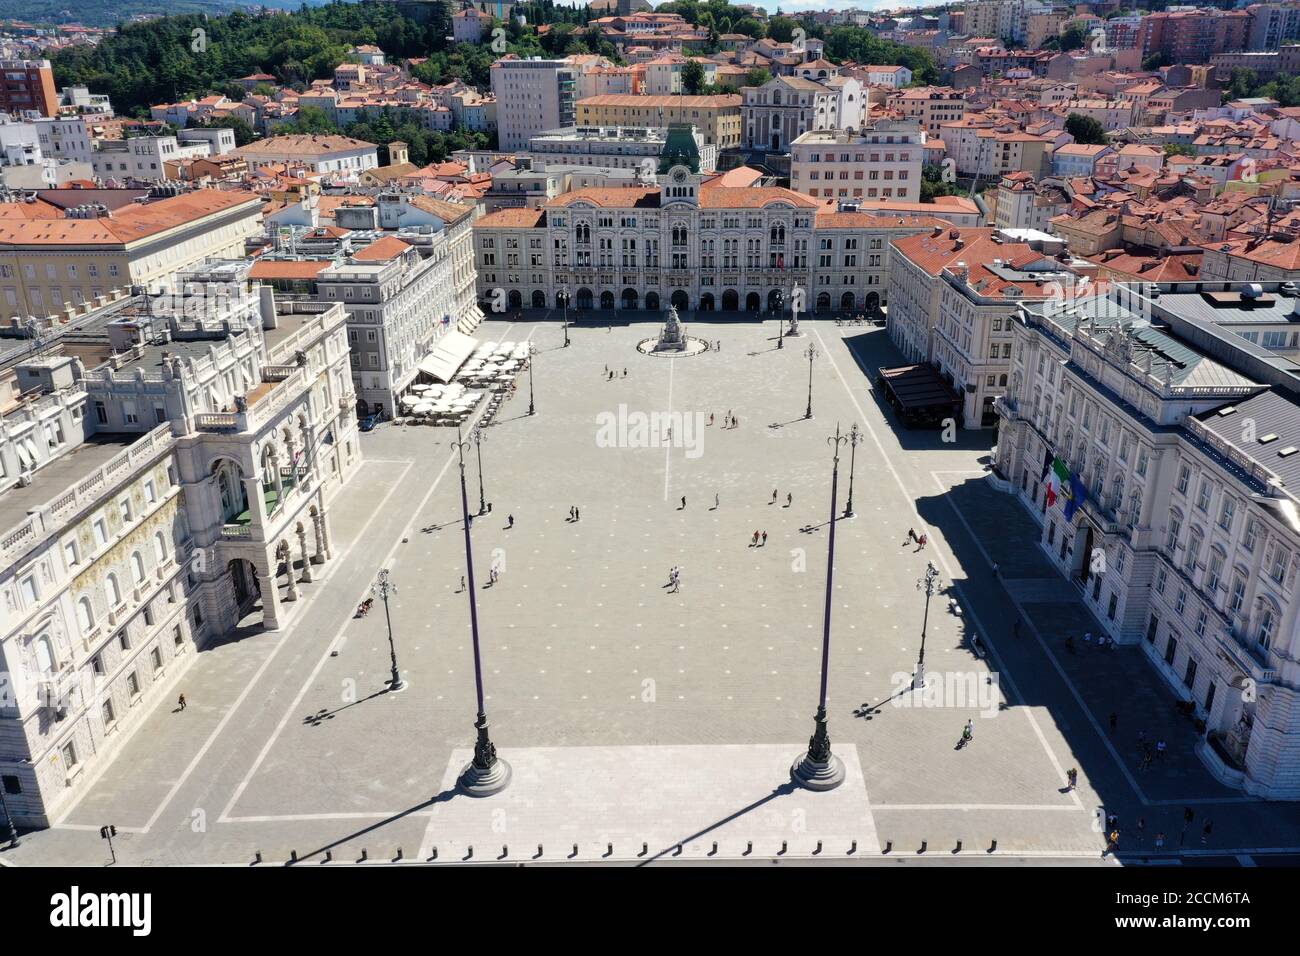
(306,558)
(256,501)
(288,445)
(325,531)
(316,522)
(278,479)
(270,600)
(292,594)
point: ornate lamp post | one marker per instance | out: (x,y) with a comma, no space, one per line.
(819,769)
(929,583)
(14,842)
(564,298)
(812,353)
(487,773)
(480,436)
(855,439)
(383,587)
(532,357)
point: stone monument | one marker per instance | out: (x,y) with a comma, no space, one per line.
(672,337)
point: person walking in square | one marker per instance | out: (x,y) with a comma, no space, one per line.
(921,542)
(180,702)
(1160,749)
(754,542)
(789,499)
(773,501)
(1071,779)
(683,502)
(577,514)
(1160,840)
(716,501)
(764,539)
(510,521)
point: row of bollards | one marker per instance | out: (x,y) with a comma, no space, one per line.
(677,849)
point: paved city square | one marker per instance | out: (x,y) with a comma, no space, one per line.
(645,723)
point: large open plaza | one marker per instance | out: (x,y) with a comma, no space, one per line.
(644,722)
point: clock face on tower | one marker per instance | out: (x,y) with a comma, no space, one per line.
(679,174)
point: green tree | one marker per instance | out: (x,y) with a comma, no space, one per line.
(1085,130)
(693,78)
(757,76)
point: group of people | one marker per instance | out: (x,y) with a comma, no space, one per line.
(758,537)
(674,580)
(610,374)
(920,540)
(789,498)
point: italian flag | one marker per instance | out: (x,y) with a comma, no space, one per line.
(1058,477)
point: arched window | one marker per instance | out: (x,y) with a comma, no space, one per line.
(44,655)
(114,591)
(1267,624)
(137,567)
(160,547)
(86,615)
(1134,508)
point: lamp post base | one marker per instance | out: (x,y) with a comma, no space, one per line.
(487,773)
(817,768)
(817,774)
(476,781)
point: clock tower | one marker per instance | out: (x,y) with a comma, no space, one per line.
(679,166)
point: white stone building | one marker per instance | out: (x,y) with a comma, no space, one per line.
(785,107)
(152,505)
(1185,438)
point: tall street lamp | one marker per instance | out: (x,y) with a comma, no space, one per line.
(383,587)
(14,842)
(487,773)
(929,583)
(812,353)
(819,769)
(480,436)
(532,358)
(780,319)
(855,439)
(564,299)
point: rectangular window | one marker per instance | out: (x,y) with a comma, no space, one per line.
(1171,650)
(1189,676)
(69,755)
(156,656)
(132,684)
(107,712)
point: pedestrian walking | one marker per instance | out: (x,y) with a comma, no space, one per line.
(180,702)
(716,501)
(921,543)
(789,499)
(764,539)
(1112,821)
(462,582)
(577,514)
(1112,843)
(710,418)
(1160,749)
(1114,720)
(911,535)
(510,521)
(1071,779)
(1205,830)
(735,422)
(995,569)
(625,373)
(773,501)
(1160,840)
(1087,637)
(754,543)
(1142,827)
